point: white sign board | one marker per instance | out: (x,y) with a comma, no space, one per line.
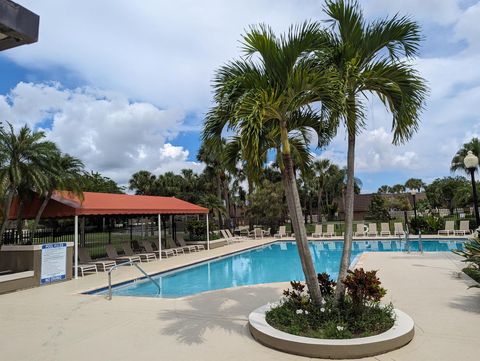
(54,262)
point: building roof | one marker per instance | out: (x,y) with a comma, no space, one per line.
(361,202)
(65,204)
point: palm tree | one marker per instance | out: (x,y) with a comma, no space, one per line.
(143,183)
(372,59)
(320,167)
(65,174)
(385,189)
(25,165)
(457,161)
(265,98)
(415,184)
(398,188)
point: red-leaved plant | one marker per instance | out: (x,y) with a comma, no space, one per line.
(363,287)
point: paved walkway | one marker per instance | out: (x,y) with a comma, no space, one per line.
(56,323)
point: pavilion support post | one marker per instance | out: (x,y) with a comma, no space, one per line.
(208,234)
(76,248)
(159,237)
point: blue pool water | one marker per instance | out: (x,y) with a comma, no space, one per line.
(276,262)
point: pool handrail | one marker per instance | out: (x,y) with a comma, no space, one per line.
(129,263)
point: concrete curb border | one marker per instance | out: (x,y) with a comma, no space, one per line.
(399,335)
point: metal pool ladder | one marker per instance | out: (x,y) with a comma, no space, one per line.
(129,263)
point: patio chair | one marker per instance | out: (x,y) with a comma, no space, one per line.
(330,231)
(360,230)
(266,233)
(171,245)
(194,247)
(399,231)
(113,255)
(464,228)
(256,233)
(318,231)
(372,230)
(282,232)
(449,227)
(385,229)
(85,268)
(147,246)
(144,257)
(102,265)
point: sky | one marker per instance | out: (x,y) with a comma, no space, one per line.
(125,85)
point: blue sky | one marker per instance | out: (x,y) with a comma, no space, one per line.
(124,86)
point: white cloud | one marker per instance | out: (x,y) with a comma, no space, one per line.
(104,129)
(467,27)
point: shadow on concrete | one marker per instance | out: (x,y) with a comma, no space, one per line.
(469,303)
(225,309)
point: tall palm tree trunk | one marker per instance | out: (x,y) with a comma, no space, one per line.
(295,210)
(19,225)
(6,212)
(349,196)
(219,196)
(38,216)
(319,205)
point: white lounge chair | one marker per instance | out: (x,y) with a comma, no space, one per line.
(330,231)
(266,233)
(171,245)
(372,230)
(399,231)
(113,255)
(360,230)
(282,232)
(145,257)
(256,233)
(318,231)
(86,268)
(464,228)
(449,228)
(181,242)
(102,265)
(147,246)
(385,229)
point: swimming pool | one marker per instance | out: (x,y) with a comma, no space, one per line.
(274,262)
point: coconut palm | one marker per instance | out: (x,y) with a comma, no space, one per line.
(372,58)
(26,163)
(414,184)
(457,161)
(64,175)
(265,98)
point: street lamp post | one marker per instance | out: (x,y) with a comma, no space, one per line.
(471,163)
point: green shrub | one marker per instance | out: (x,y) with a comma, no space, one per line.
(296,314)
(427,224)
(471,252)
(197,230)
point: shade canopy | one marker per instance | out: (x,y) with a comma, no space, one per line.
(65,204)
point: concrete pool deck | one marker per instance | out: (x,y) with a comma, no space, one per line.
(57,323)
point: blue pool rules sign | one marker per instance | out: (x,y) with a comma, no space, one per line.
(54,262)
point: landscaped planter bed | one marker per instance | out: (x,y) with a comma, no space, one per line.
(399,335)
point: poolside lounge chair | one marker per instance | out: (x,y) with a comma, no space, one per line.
(399,231)
(360,230)
(102,265)
(463,229)
(145,257)
(266,233)
(449,228)
(171,244)
(318,231)
(372,230)
(147,246)
(256,233)
(330,231)
(85,268)
(113,254)
(282,232)
(234,238)
(385,229)
(181,242)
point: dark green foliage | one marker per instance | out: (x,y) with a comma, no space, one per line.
(327,285)
(378,208)
(267,205)
(471,253)
(363,287)
(95,182)
(360,314)
(442,191)
(474,274)
(198,230)
(428,224)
